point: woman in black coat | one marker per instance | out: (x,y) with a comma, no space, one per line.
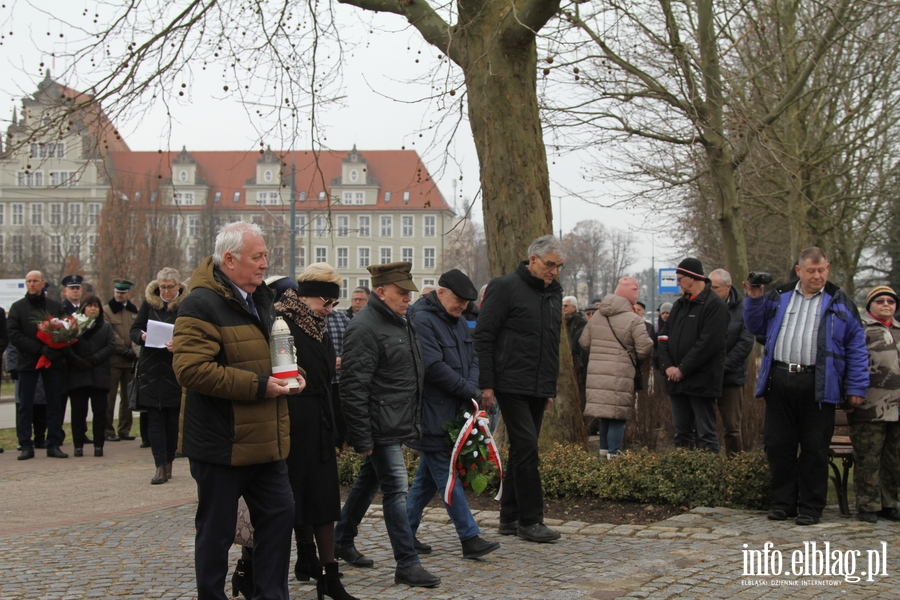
(87,377)
(158,391)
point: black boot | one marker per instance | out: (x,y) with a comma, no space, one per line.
(307,562)
(330,585)
(242,580)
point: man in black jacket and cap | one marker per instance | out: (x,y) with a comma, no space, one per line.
(517,341)
(692,357)
(381,394)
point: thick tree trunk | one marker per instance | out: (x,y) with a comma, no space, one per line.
(721,172)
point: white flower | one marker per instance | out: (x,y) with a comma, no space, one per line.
(475,454)
(469,443)
(467,415)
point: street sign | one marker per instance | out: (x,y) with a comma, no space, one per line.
(667,282)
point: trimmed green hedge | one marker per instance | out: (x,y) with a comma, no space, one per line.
(680,477)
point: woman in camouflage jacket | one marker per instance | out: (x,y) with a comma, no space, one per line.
(875,424)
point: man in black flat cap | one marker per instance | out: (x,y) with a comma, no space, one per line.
(692,357)
(72,292)
(381,394)
(120,313)
(451,382)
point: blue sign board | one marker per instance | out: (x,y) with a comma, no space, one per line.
(667,282)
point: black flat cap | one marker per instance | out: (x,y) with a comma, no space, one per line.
(460,284)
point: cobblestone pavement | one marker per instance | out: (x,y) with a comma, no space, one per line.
(57,548)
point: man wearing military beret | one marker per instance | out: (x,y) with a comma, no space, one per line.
(381,393)
(120,313)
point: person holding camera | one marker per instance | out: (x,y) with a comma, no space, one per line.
(815,357)
(692,357)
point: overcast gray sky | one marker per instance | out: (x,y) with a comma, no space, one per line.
(381,109)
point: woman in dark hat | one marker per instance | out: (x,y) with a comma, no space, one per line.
(875,424)
(87,377)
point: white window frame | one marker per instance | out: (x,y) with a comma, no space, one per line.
(94,210)
(342,257)
(73,213)
(2,214)
(385,255)
(364,282)
(321,254)
(359,198)
(301,257)
(408,226)
(363,262)
(183,198)
(407,253)
(429,229)
(300,225)
(429,259)
(56,214)
(268,198)
(386,226)
(17,214)
(193,226)
(431,282)
(321,226)
(347,198)
(365,225)
(343,226)
(37,213)
(343,289)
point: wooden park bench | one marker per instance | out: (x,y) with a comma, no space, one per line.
(841,450)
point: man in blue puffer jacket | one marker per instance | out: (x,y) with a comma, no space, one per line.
(815,355)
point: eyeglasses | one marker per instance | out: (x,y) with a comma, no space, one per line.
(329,302)
(890,301)
(167,287)
(551,265)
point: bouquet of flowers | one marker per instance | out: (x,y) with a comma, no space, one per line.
(61,332)
(473,449)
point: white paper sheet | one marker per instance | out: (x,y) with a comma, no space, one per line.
(158,334)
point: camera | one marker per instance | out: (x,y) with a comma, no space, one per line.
(758,278)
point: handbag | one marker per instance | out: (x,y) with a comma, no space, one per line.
(133,390)
(243,533)
(638,374)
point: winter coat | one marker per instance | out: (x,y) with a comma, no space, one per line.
(157,386)
(517,335)
(451,370)
(23,330)
(842,362)
(4,335)
(882,402)
(610,372)
(738,342)
(96,346)
(223,362)
(121,317)
(693,339)
(381,378)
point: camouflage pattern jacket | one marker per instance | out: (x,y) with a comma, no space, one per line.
(883,397)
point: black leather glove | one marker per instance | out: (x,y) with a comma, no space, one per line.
(14,375)
(51,354)
(129,355)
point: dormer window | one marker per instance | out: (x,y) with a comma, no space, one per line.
(354,175)
(268,176)
(322,196)
(302,196)
(183,176)
(387,196)
(406,196)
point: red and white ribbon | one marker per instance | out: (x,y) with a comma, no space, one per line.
(477,420)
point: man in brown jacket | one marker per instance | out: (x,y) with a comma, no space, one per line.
(120,313)
(234,414)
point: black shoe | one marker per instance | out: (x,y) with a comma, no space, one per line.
(477,547)
(538,532)
(127,437)
(56,453)
(351,555)
(98,451)
(79,452)
(421,547)
(242,580)
(330,584)
(804,519)
(416,576)
(2,450)
(307,565)
(510,528)
(26,454)
(147,445)
(867,517)
(42,445)
(113,438)
(891,514)
(779,515)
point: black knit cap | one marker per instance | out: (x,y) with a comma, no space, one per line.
(693,268)
(460,284)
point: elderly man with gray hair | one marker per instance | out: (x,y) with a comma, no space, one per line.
(738,345)
(517,341)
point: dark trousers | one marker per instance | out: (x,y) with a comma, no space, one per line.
(340,426)
(794,419)
(694,413)
(144,425)
(163,427)
(38,419)
(52,380)
(266,490)
(80,398)
(119,378)
(523,495)
(730,410)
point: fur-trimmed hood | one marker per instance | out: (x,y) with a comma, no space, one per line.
(151,296)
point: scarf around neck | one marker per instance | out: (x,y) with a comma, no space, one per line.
(292,307)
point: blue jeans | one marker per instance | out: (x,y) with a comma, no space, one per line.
(431,477)
(613,431)
(384,467)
